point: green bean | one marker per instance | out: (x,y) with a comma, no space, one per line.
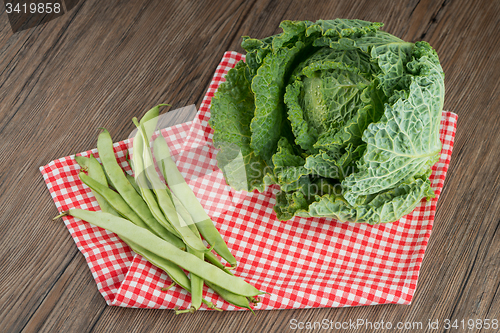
(196,281)
(113,198)
(82,161)
(129,162)
(182,190)
(144,189)
(160,247)
(216,262)
(133,183)
(237,300)
(172,270)
(117,202)
(164,199)
(175,272)
(186,196)
(95,172)
(110,183)
(145,238)
(151,115)
(122,185)
(234,299)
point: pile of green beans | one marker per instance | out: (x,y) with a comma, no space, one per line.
(161,223)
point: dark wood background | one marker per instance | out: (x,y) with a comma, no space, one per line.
(107,61)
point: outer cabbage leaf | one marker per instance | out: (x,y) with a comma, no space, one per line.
(297,200)
(384,207)
(365,42)
(232,110)
(288,166)
(327,165)
(392,59)
(406,141)
(258,49)
(342,28)
(288,204)
(269,86)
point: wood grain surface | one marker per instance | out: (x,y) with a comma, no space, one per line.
(104,62)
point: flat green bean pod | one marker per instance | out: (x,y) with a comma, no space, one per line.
(185,194)
(144,188)
(82,161)
(113,198)
(163,197)
(133,183)
(116,201)
(139,151)
(180,188)
(122,185)
(164,249)
(196,281)
(173,271)
(96,172)
(234,299)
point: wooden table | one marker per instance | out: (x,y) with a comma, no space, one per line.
(106,61)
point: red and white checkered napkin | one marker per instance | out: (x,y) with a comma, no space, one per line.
(302,263)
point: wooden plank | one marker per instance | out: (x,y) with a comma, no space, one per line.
(75,289)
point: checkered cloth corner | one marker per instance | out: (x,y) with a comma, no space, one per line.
(302,263)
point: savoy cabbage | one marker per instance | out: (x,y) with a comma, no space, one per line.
(343,116)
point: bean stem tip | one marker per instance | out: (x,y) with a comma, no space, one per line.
(64,213)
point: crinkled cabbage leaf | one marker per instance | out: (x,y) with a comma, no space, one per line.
(343,116)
